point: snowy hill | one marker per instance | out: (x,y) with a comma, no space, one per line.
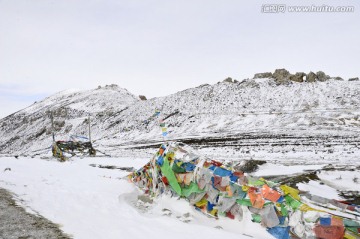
(256,112)
(29,130)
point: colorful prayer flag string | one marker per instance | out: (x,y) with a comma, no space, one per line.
(161,122)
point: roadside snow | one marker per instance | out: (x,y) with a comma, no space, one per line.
(342,180)
(318,189)
(270,169)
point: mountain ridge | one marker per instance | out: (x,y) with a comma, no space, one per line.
(257,106)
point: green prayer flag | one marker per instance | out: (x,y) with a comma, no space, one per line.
(192,188)
(350,223)
(256,218)
(293,203)
(244,202)
(284,210)
(169,174)
(255,182)
(178,169)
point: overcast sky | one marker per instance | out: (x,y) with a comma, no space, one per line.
(156,48)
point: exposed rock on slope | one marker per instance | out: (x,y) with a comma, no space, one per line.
(263,75)
(283,76)
(322,76)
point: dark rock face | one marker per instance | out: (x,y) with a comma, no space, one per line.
(298,77)
(41,132)
(112,86)
(263,75)
(322,76)
(354,79)
(142,97)
(311,77)
(338,78)
(229,80)
(281,76)
(249,166)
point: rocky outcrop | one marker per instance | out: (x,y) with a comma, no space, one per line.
(354,79)
(142,97)
(112,86)
(322,76)
(311,77)
(338,78)
(281,76)
(263,75)
(298,77)
(229,80)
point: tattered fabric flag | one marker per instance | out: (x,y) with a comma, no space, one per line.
(217,190)
(161,122)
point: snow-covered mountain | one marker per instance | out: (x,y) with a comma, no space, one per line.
(29,130)
(259,111)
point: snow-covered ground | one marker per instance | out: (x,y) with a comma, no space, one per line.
(92,202)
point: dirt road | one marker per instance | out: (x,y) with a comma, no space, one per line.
(16,223)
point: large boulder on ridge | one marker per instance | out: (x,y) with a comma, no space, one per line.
(263,75)
(322,76)
(311,77)
(281,75)
(298,77)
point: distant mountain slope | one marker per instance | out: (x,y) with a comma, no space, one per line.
(254,109)
(255,106)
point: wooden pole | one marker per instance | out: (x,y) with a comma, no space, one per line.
(52,125)
(89,129)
